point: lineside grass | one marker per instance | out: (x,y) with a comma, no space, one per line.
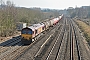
(85,29)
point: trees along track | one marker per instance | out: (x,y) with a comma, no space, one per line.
(10,50)
(61,42)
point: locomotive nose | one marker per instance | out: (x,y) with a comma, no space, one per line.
(25,36)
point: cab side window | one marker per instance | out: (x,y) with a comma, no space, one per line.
(42,28)
(32,32)
(23,31)
(35,31)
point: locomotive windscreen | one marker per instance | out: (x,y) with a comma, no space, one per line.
(26,31)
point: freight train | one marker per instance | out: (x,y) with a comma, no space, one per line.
(30,32)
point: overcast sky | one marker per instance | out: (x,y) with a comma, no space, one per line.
(52,4)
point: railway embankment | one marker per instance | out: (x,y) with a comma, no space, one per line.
(85,29)
(3,39)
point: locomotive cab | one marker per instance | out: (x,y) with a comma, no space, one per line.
(26,35)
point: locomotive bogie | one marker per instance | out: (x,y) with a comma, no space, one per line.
(25,41)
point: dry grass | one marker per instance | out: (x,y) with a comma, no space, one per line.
(84,27)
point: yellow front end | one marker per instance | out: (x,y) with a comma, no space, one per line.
(26,36)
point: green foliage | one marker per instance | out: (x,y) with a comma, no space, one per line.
(88,14)
(73,15)
(10,15)
(24,19)
(82,12)
(7,19)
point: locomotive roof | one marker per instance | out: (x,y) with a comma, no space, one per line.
(36,26)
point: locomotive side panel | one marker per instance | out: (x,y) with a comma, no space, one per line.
(52,22)
(31,32)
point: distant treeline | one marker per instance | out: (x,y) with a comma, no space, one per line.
(78,12)
(10,15)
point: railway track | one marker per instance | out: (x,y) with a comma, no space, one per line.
(77,50)
(61,42)
(42,54)
(77,44)
(7,45)
(83,50)
(11,52)
(11,42)
(39,47)
(56,46)
(60,50)
(74,46)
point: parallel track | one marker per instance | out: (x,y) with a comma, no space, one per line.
(61,42)
(13,48)
(38,52)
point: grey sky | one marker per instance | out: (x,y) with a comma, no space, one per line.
(52,4)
